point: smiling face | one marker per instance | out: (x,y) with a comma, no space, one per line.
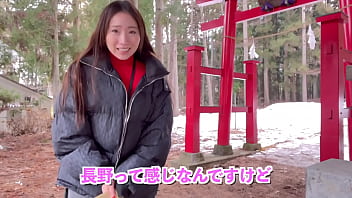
(123,37)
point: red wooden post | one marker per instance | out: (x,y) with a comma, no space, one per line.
(228,54)
(346,7)
(251,143)
(251,102)
(332,86)
(194,59)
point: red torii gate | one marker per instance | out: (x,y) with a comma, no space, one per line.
(229,20)
(336,55)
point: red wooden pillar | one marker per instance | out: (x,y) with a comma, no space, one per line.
(228,53)
(332,86)
(346,7)
(252,105)
(251,102)
(194,59)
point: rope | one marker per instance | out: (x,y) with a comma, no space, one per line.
(268,35)
(347,6)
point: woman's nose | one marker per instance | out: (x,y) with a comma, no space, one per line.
(123,37)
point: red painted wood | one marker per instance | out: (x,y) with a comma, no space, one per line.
(251,102)
(227,66)
(252,14)
(194,59)
(332,86)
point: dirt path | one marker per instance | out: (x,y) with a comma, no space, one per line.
(28,168)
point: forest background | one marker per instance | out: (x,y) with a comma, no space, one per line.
(40,38)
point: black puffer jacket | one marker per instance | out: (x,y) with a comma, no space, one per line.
(117,132)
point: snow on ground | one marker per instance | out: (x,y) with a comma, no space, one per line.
(289,133)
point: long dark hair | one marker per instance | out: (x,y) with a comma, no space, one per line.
(98,49)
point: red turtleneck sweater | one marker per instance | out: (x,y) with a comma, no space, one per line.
(124,69)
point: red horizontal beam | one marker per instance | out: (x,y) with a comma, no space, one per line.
(239,109)
(334,16)
(209,109)
(212,71)
(212,24)
(217,72)
(257,12)
(240,75)
(212,109)
(254,13)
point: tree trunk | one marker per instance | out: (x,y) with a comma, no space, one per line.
(245,44)
(173,68)
(214,80)
(316,87)
(304,56)
(266,84)
(287,77)
(76,26)
(304,87)
(287,82)
(206,63)
(294,88)
(158,29)
(166,54)
(245,34)
(192,27)
(55,50)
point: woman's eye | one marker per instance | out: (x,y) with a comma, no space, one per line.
(133,32)
(115,31)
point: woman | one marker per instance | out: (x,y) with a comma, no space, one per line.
(114,108)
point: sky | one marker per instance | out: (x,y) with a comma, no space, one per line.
(288,133)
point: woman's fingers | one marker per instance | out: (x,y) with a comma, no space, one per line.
(109,189)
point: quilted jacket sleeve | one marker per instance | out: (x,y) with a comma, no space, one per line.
(73,144)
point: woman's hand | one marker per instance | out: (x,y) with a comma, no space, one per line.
(109,190)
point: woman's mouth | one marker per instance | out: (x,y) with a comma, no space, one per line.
(123,49)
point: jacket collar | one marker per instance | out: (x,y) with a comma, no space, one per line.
(154,68)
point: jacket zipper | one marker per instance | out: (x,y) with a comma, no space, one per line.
(128,108)
(127,117)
